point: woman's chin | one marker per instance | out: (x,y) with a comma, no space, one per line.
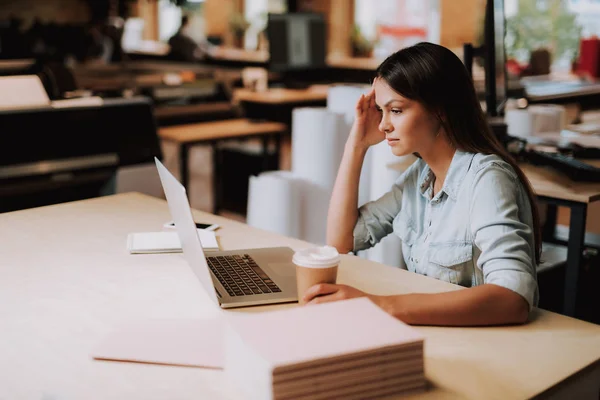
(400,151)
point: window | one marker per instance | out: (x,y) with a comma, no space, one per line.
(255,12)
(394,24)
(365,18)
(556,25)
(169,19)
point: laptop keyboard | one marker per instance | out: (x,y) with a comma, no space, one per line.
(241,276)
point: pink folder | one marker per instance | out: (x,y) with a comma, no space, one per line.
(182,342)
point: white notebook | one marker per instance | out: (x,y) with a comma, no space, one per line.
(166,242)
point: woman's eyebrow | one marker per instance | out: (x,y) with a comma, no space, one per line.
(393,101)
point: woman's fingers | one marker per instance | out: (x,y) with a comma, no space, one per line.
(321,289)
(369,99)
(361,102)
(360,105)
(324,299)
(372,102)
(365,102)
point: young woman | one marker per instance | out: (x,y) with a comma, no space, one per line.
(465,212)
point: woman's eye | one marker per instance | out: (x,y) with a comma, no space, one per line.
(396,111)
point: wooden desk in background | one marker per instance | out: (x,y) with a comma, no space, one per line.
(250,57)
(198,112)
(280,96)
(223,53)
(235,54)
(555,189)
(277,104)
(213,133)
(67,281)
(362,63)
(218,54)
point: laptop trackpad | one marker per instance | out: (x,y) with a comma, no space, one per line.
(283,269)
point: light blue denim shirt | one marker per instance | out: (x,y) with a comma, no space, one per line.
(477,229)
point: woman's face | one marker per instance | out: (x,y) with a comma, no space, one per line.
(408,126)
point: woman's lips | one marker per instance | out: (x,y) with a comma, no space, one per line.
(392,141)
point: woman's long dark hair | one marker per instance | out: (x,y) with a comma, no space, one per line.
(435,77)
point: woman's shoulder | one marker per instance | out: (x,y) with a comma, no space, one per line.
(486,163)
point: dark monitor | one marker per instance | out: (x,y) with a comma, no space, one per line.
(494,57)
(495,65)
(297,41)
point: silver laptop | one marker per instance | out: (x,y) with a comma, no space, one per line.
(231,278)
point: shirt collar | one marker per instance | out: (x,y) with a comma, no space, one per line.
(460,164)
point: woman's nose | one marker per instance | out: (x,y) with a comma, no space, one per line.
(385,126)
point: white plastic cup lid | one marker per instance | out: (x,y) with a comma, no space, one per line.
(317,257)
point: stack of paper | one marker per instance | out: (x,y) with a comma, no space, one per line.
(318,138)
(274,203)
(350,349)
(166,242)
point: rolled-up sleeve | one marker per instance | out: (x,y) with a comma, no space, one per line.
(503,232)
(375,218)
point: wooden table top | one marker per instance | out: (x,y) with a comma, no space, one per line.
(214,130)
(551,183)
(283,95)
(68,280)
(167,111)
(362,63)
(235,54)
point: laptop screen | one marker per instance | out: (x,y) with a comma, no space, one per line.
(186,229)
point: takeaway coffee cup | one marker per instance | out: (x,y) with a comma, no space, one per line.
(315,265)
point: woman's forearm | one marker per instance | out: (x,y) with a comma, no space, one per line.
(477,306)
(343,206)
